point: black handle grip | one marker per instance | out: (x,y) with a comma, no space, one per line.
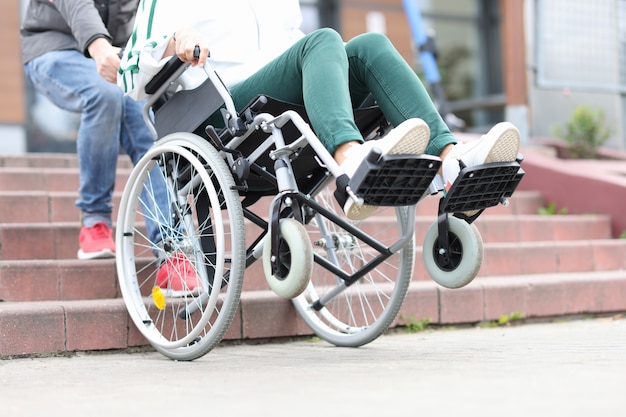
(164,74)
(167,71)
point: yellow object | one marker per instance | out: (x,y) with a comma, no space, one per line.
(158,297)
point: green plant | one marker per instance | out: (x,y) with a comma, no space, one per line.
(504,320)
(622,235)
(585,132)
(509,318)
(551,210)
(413,325)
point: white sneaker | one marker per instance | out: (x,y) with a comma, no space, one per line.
(408,138)
(500,144)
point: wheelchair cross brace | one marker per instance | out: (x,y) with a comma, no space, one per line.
(298,200)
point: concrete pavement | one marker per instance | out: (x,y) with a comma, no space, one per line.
(573,368)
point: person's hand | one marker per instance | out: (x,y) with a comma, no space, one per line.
(106,57)
(185,41)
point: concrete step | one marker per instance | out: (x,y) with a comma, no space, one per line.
(43,206)
(541,266)
(59,240)
(509,259)
(40,280)
(39,160)
(40,206)
(37,280)
(49,327)
(48,179)
(29,241)
(50,160)
(545,257)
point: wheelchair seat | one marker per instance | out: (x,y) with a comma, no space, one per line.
(192,110)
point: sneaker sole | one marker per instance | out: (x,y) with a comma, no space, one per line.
(413,137)
(504,149)
(181,294)
(355,212)
(506,146)
(103,254)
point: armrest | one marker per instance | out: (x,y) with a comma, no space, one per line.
(164,75)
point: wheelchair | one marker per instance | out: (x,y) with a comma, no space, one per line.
(258,185)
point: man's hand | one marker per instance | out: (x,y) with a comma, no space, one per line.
(106,57)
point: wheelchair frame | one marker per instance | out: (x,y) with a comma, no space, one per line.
(352,297)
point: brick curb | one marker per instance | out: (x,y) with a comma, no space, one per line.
(50,327)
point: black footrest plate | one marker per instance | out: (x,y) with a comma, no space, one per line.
(394,180)
(482,186)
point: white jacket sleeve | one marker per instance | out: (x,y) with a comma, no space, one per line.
(132,77)
(233,31)
(143,56)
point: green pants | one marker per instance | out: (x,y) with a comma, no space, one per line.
(331,78)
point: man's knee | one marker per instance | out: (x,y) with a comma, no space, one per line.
(110,94)
(104,97)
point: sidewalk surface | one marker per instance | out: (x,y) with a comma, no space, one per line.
(573,368)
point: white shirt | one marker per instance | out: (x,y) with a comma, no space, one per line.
(243,36)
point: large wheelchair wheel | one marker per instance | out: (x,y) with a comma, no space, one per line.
(464,258)
(357,314)
(180,200)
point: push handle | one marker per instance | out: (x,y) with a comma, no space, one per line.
(168,70)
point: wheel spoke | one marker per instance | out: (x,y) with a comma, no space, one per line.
(362,311)
(183,187)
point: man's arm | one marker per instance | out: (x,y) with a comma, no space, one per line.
(90,31)
(107,58)
(84,21)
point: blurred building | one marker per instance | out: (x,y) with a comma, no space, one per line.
(527,61)
(12,96)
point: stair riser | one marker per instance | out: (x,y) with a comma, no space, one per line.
(60,241)
(65,305)
(41,207)
(74,280)
(51,160)
(47,180)
(59,206)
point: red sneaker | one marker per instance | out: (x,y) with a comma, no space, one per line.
(178,277)
(96,242)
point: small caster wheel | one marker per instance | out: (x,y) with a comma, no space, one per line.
(461,264)
(295,260)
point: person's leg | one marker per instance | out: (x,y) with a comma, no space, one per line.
(135,137)
(377,68)
(72,82)
(313,72)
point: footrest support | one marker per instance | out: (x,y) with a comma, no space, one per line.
(481,186)
(394,180)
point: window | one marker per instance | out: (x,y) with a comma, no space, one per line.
(581,44)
